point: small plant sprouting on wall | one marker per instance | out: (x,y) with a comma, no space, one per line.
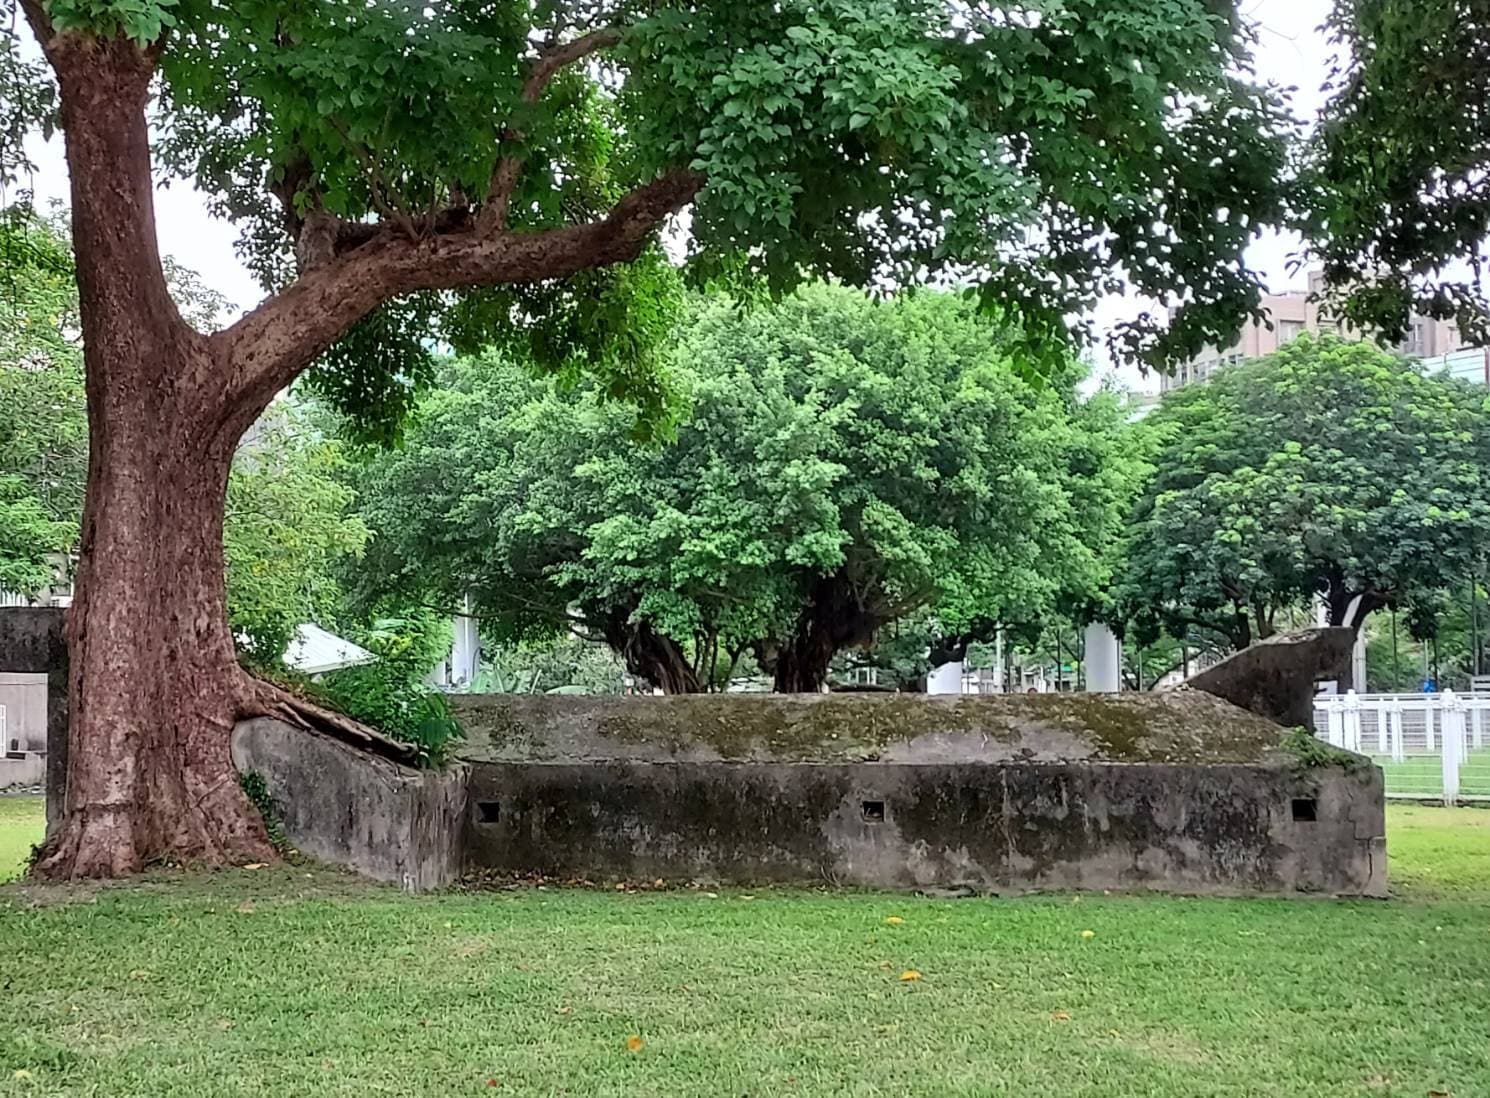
(257,791)
(1313,752)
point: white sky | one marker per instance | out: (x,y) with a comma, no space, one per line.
(1291,50)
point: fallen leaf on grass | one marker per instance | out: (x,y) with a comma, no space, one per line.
(894,920)
(909,976)
(564,1010)
(21,1074)
(1088,933)
(1060,1016)
(225,1023)
(141,974)
(634,1043)
(245,908)
(260,865)
(1440,1094)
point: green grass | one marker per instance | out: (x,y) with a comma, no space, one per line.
(292,982)
(22,823)
(1424,774)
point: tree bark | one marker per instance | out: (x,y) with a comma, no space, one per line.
(833,618)
(654,657)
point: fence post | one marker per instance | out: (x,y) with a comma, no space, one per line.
(1352,728)
(1391,719)
(1452,730)
(1477,715)
(1334,722)
(1428,718)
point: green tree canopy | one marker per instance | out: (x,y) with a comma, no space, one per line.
(842,463)
(1329,468)
(289,529)
(1398,166)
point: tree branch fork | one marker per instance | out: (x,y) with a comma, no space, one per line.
(347,269)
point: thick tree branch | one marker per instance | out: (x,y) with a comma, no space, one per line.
(509,166)
(269,347)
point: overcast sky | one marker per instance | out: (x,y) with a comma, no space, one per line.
(1291,50)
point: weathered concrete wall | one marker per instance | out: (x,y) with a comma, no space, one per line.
(341,805)
(1176,792)
(819,728)
(1276,678)
(32,641)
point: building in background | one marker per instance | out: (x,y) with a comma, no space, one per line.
(1293,313)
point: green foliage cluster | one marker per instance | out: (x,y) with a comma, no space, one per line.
(256,789)
(289,526)
(391,694)
(1046,155)
(1311,753)
(842,463)
(1330,468)
(43,434)
(289,522)
(1395,174)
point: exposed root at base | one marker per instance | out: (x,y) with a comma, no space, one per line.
(265,699)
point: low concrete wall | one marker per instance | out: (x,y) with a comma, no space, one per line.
(1178,793)
(341,805)
(32,640)
(1218,830)
(28,771)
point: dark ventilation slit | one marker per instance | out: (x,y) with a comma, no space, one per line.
(874,811)
(488,811)
(1305,809)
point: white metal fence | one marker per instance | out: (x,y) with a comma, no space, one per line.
(1429,746)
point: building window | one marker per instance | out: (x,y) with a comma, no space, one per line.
(1288,331)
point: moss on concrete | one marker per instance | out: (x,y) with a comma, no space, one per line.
(1184,726)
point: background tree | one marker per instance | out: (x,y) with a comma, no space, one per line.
(1399,208)
(841,464)
(289,528)
(1329,468)
(381,155)
(43,435)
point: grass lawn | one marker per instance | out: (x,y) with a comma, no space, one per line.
(286,981)
(22,823)
(1424,774)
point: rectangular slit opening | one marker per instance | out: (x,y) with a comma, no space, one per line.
(1305,809)
(874,811)
(487,812)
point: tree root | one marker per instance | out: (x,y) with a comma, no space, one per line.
(266,699)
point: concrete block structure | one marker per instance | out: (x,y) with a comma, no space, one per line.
(1178,792)
(33,695)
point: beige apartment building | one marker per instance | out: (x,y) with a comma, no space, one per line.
(1293,313)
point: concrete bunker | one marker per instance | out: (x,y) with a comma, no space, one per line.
(1170,792)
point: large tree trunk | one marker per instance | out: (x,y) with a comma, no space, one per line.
(833,618)
(155,686)
(654,657)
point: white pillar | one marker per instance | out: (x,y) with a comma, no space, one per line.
(1452,728)
(1103,659)
(1358,663)
(946,679)
(465,652)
